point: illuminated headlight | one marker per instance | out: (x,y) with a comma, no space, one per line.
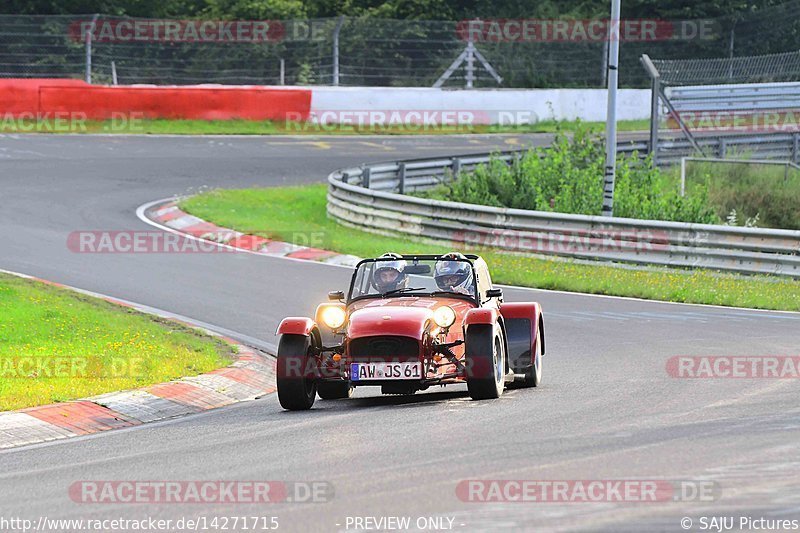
(333,316)
(444,316)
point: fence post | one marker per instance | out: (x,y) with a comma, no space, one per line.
(723,147)
(336,32)
(655,87)
(283,72)
(456,166)
(88,39)
(401,178)
(796,147)
(611,114)
(470,75)
(365,172)
(605,64)
(88,42)
(113,73)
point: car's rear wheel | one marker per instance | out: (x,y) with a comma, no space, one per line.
(334,390)
(485,359)
(533,376)
(297,383)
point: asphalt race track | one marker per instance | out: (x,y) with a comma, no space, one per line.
(607,409)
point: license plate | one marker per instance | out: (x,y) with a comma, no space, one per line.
(379,371)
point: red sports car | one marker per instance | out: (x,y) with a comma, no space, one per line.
(409,322)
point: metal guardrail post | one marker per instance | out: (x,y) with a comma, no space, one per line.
(401,178)
(723,147)
(365,175)
(456,167)
(796,148)
(345,177)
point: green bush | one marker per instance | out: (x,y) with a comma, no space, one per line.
(769,192)
(567,177)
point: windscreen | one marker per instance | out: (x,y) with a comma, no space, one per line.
(385,277)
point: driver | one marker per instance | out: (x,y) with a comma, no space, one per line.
(454,274)
(389,274)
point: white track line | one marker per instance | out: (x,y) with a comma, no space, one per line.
(140,213)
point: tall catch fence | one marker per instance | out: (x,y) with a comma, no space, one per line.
(511,53)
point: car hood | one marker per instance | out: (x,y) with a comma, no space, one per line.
(408,317)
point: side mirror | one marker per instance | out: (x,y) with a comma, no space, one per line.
(336,295)
(494,293)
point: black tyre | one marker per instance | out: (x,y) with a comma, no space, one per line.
(297,383)
(334,390)
(533,376)
(485,359)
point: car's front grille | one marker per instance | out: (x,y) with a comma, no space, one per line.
(383,348)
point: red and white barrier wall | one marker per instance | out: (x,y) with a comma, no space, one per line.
(484,106)
(326,105)
(205,102)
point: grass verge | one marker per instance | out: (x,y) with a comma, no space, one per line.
(254,127)
(298,214)
(58,345)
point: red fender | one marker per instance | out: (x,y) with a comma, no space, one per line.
(524,310)
(481,315)
(295,325)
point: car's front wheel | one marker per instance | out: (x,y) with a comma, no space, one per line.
(485,360)
(297,380)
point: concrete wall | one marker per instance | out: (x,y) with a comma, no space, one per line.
(500,106)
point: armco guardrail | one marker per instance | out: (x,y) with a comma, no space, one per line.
(371,198)
(783,146)
(742,97)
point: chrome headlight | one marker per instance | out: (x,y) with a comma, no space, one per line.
(334,316)
(444,316)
